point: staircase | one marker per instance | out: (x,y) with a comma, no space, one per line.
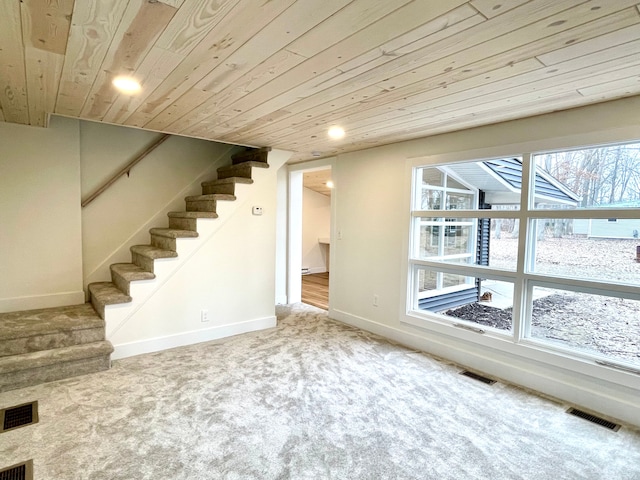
(39,346)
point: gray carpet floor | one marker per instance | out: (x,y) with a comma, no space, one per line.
(310,399)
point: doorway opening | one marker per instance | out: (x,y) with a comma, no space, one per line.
(310,199)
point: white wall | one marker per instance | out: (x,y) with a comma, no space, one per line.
(370,259)
(40,219)
(122,215)
(316,223)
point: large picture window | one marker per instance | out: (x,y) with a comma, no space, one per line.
(542,249)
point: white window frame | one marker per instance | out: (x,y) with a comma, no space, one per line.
(523,279)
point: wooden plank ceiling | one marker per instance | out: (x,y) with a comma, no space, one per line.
(279,72)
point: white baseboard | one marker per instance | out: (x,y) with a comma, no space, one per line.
(564,385)
(189,338)
(41,301)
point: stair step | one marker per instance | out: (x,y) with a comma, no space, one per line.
(19,371)
(106,293)
(172,233)
(144,255)
(224,185)
(188,220)
(240,170)
(166,237)
(49,328)
(206,203)
(122,274)
(251,155)
(192,215)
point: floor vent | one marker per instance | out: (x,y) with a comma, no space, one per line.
(593,419)
(19,416)
(480,378)
(21,471)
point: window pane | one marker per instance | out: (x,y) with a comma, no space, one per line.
(430,200)
(605,177)
(487,303)
(460,201)
(587,322)
(432,283)
(503,243)
(590,249)
(488,242)
(431,176)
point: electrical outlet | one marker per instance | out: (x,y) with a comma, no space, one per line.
(204,315)
(375,300)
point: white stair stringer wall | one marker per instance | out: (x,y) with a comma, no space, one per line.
(228,270)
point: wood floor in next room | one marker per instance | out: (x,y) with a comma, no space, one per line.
(315,290)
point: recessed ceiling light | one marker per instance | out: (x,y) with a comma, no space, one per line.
(329,184)
(126,85)
(336,132)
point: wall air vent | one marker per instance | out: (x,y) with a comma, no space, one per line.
(21,471)
(480,378)
(593,419)
(18,416)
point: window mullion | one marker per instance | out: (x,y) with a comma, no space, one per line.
(521,324)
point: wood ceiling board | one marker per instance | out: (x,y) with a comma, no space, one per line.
(478,106)
(408,100)
(154,69)
(172,3)
(291,24)
(1,115)
(141,25)
(276,98)
(192,23)
(597,44)
(465,92)
(628,85)
(525,42)
(389,71)
(45,24)
(92,29)
(13,82)
(348,85)
(188,27)
(309,74)
(45,31)
(492,8)
(244,21)
(593,28)
(317,181)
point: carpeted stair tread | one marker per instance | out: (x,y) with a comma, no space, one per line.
(48,321)
(43,358)
(240,170)
(211,197)
(131,272)
(152,252)
(173,233)
(192,215)
(224,181)
(106,293)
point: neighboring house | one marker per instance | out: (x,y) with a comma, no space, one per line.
(625,228)
(468,186)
